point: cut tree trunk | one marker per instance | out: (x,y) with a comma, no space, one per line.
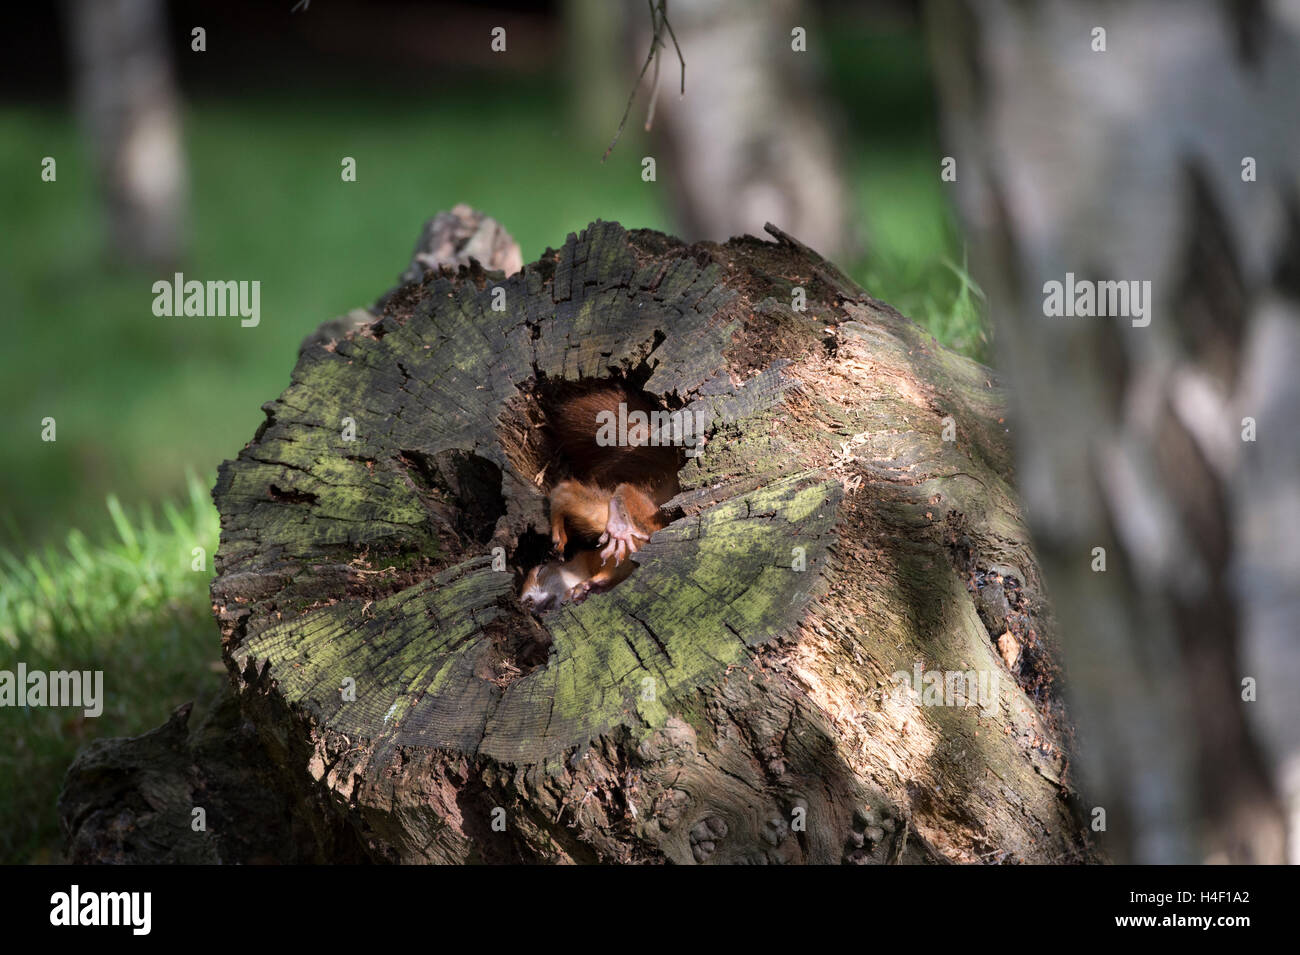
(849,519)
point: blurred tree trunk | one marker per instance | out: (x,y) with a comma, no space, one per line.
(1133,163)
(751,141)
(128,103)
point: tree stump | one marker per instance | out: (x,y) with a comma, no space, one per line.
(192,793)
(740,697)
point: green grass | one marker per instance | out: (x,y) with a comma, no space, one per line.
(131,605)
(140,400)
(915,259)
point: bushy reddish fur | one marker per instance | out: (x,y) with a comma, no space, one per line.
(613,496)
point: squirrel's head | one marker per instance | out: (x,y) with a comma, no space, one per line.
(543,588)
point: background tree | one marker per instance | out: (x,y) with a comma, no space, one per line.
(752,140)
(127,99)
(1153,141)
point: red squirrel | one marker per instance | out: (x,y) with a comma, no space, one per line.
(612,501)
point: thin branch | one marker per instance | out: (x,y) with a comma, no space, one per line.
(657,46)
(680,58)
(658,23)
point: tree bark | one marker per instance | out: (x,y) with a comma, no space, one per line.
(850,519)
(200,794)
(1169,156)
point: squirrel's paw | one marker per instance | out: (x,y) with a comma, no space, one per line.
(622,537)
